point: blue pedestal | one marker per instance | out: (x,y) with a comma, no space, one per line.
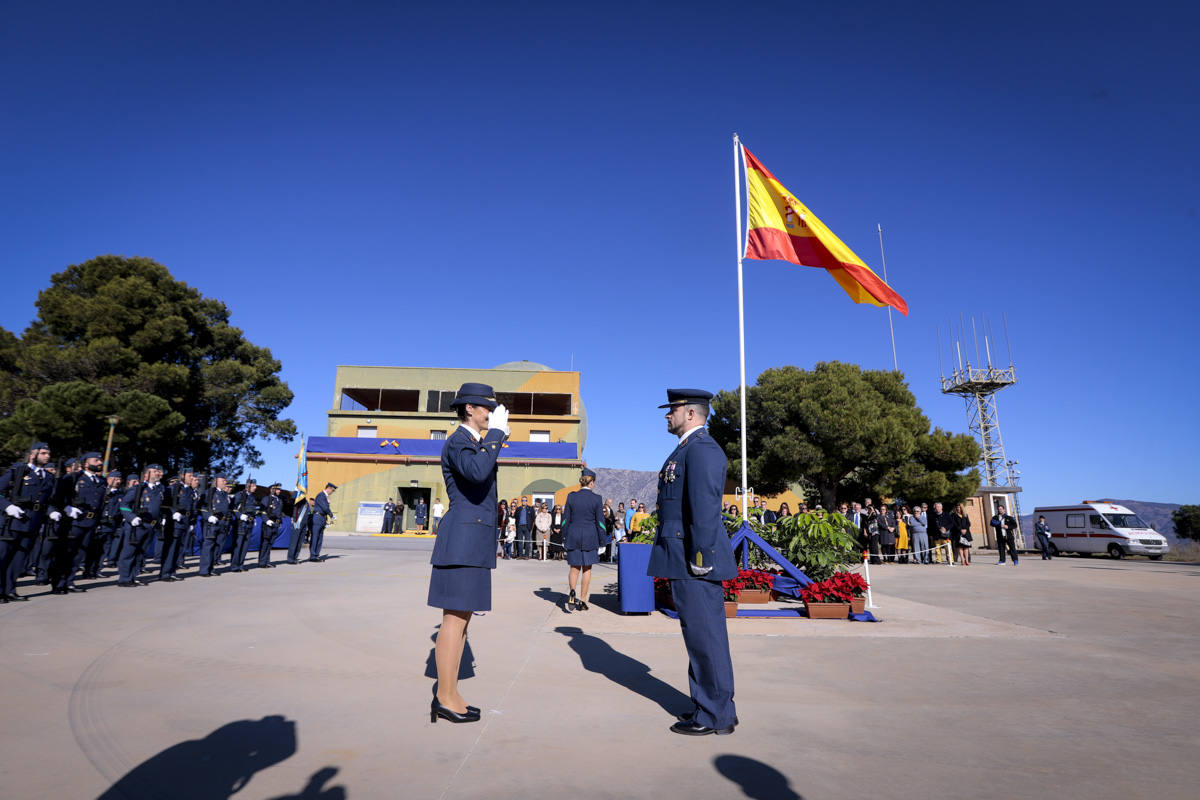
(634,586)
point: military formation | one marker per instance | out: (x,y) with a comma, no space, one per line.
(59,527)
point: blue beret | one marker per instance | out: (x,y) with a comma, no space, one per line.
(131,476)
(113,473)
(69,462)
(219,477)
(39,446)
(252,480)
(86,456)
(679,397)
(587,473)
(154,466)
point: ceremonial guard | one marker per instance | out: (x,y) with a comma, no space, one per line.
(182,503)
(27,490)
(583,532)
(82,500)
(185,529)
(321,516)
(144,507)
(103,535)
(389,514)
(301,523)
(272,511)
(246,509)
(692,551)
(55,532)
(119,537)
(464,553)
(215,511)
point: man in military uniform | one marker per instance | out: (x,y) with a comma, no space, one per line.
(322,514)
(181,503)
(272,513)
(185,534)
(692,551)
(246,509)
(118,543)
(214,509)
(106,525)
(143,507)
(389,514)
(54,532)
(27,491)
(81,498)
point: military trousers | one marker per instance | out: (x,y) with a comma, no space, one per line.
(13,550)
(168,549)
(701,607)
(318,536)
(133,551)
(266,541)
(113,551)
(185,534)
(47,544)
(295,543)
(214,533)
(66,556)
(95,548)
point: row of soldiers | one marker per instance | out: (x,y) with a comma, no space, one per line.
(61,526)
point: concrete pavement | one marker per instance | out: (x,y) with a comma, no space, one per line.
(1071,678)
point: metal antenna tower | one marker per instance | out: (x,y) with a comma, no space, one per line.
(978,385)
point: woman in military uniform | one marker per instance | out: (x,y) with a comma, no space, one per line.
(583,526)
(464,553)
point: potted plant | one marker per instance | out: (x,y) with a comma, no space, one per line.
(820,543)
(857,586)
(733,589)
(756,585)
(826,600)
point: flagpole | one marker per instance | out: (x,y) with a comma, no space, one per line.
(737,204)
(891,329)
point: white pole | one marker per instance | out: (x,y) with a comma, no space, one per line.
(867,577)
(891,329)
(737,204)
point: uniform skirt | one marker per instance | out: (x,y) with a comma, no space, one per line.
(461,588)
(582,558)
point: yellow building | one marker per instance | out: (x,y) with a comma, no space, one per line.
(386,426)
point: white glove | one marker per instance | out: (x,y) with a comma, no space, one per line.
(133,523)
(178,517)
(55,516)
(213,520)
(499,419)
(269,522)
(14,511)
(243,517)
(73,512)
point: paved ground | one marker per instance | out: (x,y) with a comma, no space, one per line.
(1074,678)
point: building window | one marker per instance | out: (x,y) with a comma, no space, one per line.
(368,431)
(541,404)
(439,401)
(437,436)
(380,399)
(539,436)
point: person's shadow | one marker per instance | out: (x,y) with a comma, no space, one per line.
(313,790)
(466,667)
(552,596)
(599,656)
(213,768)
(759,781)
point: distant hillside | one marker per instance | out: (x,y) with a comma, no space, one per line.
(1157,515)
(621,484)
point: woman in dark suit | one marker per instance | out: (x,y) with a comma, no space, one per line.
(464,553)
(583,524)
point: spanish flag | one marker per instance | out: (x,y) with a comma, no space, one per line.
(778,226)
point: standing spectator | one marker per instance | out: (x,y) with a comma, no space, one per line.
(541,524)
(735,509)
(630,510)
(960,534)
(902,544)
(618,532)
(1042,530)
(439,511)
(510,537)
(940,533)
(784,511)
(556,535)
(918,535)
(769,516)
(502,527)
(887,534)
(869,522)
(635,522)
(1005,525)
(524,515)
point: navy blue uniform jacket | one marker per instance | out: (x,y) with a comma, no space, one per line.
(86,492)
(467,535)
(691,528)
(21,486)
(321,505)
(583,521)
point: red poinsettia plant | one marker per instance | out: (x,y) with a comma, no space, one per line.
(841,588)
(746,579)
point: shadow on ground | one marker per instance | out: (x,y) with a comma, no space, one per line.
(598,656)
(606,601)
(221,765)
(757,780)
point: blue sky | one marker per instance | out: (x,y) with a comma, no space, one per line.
(371,183)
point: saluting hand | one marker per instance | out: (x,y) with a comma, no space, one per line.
(499,419)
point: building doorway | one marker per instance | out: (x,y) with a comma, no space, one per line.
(406,507)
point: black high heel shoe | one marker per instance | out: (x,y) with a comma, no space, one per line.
(571,601)
(436,710)
(580,605)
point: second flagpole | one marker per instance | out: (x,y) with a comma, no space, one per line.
(737,203)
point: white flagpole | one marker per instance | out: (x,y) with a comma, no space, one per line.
(892,330)
(737,204)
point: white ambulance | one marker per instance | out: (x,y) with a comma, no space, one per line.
(1100,528)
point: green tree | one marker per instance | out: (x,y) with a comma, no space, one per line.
(121,336)
(1187,522)
(846,432)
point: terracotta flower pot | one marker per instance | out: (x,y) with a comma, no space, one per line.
(730,609)
(755,596)
(827,610)
(858,605)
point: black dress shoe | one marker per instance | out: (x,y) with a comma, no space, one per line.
(693,728)
(436,710)
(688,718)
(127,584)
(208,575)
(76,589)
(139,582)
(17,598)
(3,599)
(43,582)
(58,591)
